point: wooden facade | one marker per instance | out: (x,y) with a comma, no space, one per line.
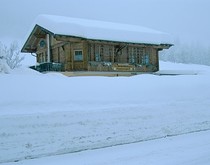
(81,54)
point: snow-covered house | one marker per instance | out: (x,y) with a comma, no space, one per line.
(72,44)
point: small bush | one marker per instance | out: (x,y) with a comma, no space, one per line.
(9,57)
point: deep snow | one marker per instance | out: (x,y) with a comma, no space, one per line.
(49,114)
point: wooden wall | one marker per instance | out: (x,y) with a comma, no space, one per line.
(100,56)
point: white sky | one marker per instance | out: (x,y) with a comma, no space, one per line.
(186,20)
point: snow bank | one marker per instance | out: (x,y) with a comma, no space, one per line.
(48,114)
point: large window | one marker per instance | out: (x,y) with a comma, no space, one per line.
(145,60)
(97,53)
(101,52)
(78,56)
(134,55)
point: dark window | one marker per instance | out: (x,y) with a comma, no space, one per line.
(78,56)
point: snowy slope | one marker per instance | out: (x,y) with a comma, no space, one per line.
(48,114)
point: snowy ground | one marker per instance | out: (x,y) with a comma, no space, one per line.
(50,114)
(189,149)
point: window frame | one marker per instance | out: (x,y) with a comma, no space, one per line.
(78,58)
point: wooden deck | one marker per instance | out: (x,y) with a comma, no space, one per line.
(107,74)
(128,74)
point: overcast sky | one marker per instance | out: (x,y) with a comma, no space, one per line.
(186,20)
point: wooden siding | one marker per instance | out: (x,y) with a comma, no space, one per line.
(100,56)
(108,57)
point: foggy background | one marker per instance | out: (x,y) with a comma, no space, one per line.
(186,20)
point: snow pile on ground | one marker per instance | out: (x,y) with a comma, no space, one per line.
(48,114)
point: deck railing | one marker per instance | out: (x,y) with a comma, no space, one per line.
(48,66)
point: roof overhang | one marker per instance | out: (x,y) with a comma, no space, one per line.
(38,33)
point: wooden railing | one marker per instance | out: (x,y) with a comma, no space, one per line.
(48,66)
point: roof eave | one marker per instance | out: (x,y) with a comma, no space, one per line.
(165,45)
(27,50)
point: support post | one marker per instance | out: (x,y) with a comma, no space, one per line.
(48,48)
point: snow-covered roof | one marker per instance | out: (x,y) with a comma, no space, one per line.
(100,30)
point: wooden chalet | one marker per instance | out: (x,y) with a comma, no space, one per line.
(70,44)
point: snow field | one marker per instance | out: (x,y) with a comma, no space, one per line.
(51,114)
